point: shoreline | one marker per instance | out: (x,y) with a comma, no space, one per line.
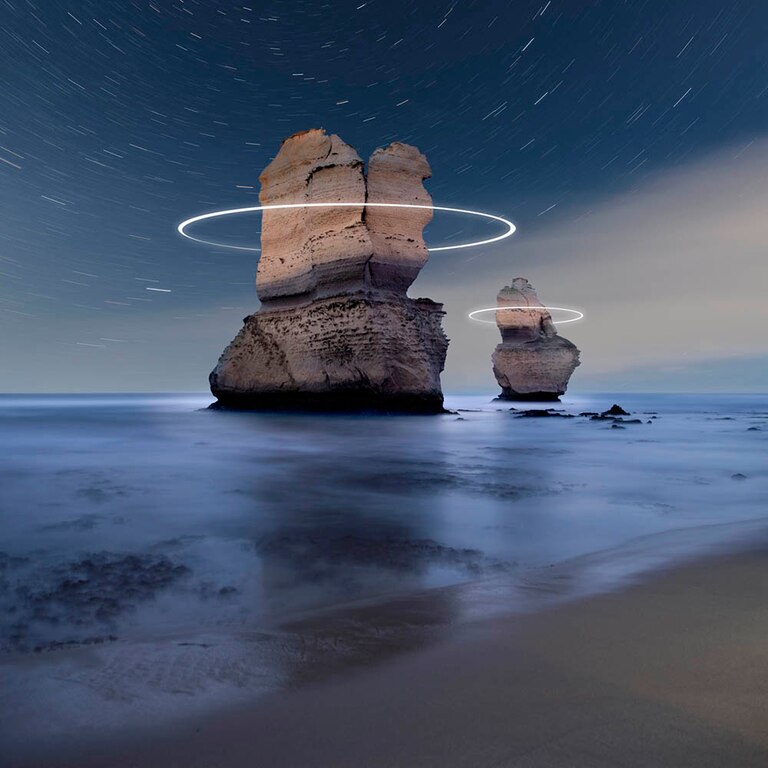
(432,551)
(504,664)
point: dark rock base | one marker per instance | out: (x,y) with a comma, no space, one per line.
(527,397)
(338,401)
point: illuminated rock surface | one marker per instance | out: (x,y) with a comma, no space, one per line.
(336,330)
(395,173)
(532,362)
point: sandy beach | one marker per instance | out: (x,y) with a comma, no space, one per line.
(669,672)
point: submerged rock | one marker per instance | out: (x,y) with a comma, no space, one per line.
(590,415)
(336,330)
(537,413)
(319,555)
(532,362)
(71,597)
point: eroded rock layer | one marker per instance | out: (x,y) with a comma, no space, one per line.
(340,354)
(310,249)
(532,362)
(336,330)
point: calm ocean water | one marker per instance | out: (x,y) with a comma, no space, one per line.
(151,546)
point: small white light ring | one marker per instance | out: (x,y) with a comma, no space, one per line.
(577,315)
(182,228)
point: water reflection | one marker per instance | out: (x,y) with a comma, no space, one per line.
(267,516)
(345,515)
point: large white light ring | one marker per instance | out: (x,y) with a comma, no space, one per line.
(182,228)
(578,315)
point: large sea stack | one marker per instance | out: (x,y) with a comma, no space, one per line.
(336,330)
(532,362)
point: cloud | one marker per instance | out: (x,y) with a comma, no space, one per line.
(674,272)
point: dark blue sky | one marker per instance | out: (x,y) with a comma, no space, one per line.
(120,118)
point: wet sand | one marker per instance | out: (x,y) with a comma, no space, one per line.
(670,672)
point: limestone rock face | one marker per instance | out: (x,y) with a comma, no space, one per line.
(342,353)
(336,330)
(532,362)
(304,250)
(395,174)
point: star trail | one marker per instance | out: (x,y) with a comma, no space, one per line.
(120,119)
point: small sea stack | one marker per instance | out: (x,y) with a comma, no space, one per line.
(532,362)
(336,330)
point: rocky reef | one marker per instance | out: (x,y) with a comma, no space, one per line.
(532,362)
(336,330)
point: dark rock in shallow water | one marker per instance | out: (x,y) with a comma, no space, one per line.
(616,419)
(738,476)
(615,410)
(540,413)
(591,415)
(72,596)
(59,645)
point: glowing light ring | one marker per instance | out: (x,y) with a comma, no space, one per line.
(576,312)
(234,211)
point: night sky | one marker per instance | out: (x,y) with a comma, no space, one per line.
(119,119)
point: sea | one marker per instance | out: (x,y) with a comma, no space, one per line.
(160,560)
